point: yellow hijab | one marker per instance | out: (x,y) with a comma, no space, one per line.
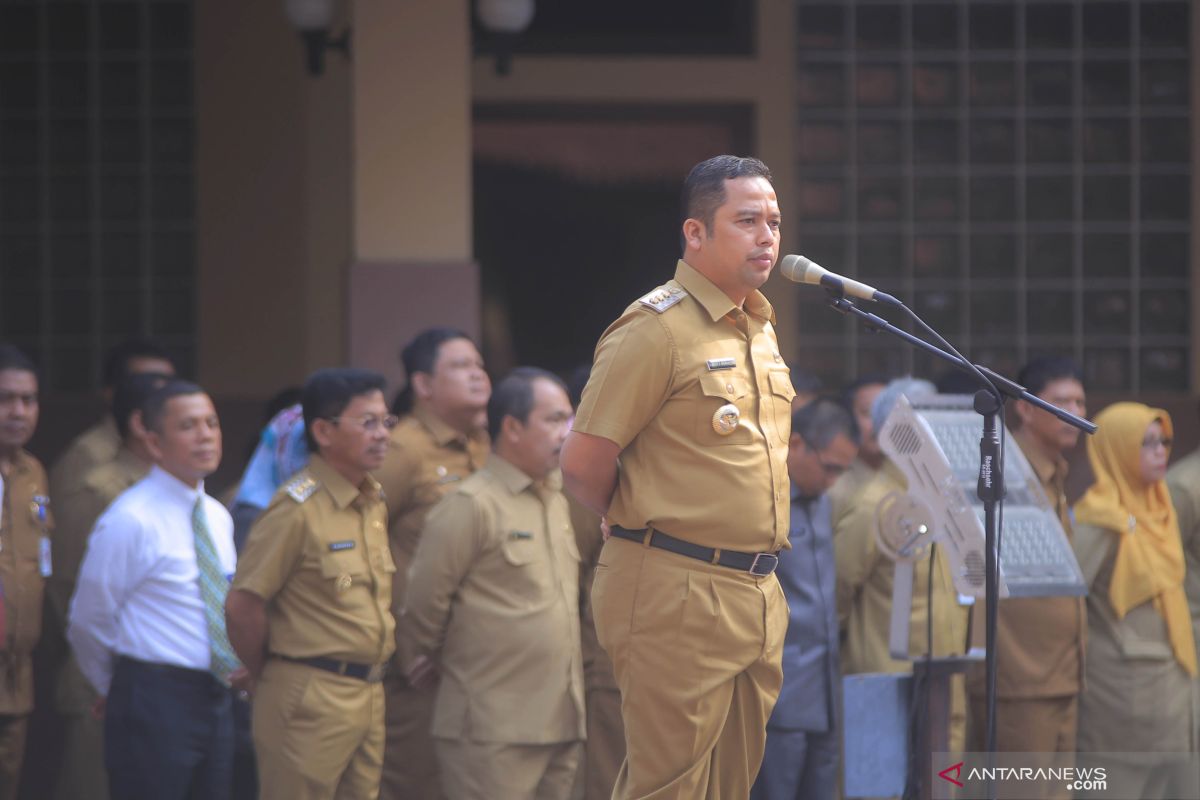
(1149,565)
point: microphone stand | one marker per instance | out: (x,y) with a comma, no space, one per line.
(990,489)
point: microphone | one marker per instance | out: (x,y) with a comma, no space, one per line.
(805,270)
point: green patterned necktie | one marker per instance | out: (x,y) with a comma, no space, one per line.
(213,588)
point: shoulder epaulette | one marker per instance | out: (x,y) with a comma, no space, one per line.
(301,487)
(663,298)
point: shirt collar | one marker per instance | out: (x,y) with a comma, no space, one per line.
(513,478)
(341,490)
(172,488)
(1049,470)
(716,302)
(442,433)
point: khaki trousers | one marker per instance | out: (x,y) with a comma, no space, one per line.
(410,766)
(81,775)
(605,747)
(502,771)
(1036,725)
(317,735)
(696,653)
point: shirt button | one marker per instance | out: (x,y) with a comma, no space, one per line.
(729,387)
(778,358)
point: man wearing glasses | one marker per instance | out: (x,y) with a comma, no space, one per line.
(802,734)
(309,612)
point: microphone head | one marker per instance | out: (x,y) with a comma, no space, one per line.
(801,269)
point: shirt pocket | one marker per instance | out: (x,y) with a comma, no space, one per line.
(717,390)
(782,394)
(519,551)
(342,571)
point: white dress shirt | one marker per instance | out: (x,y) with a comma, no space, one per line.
(138,592)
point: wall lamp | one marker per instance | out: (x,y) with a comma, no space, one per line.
(312,20)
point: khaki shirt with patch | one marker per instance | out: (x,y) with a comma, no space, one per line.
(99,444)
(319,558)
(494,597)
(663,371)
(23,526)
(1039,640)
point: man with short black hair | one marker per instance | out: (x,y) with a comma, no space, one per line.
(100,443)
(439,443)
(493,603)
(25,530)
(681,440)
(310,608)
(82,775)
(803,733)
(1039,640)
(146,620)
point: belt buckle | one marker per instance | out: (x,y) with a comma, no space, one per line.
(772,561)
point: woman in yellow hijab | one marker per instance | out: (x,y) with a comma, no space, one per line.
(1141,658)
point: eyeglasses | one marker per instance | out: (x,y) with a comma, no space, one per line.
(370,423)
(1152,442)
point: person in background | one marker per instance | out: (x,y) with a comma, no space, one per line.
(100,443)
(147,619)
(1039,640)
(81,775)
(493,605)
(1140,679)
(860,396)
(310,608)
(808,387)
(282,451)
(1183,481)
(440,441)
(803,734)
(26,528)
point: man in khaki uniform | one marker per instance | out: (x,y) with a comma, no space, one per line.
(865,578)
(690,391)
(25,528)
(100,443)
(492,604)
(81,773)
(309,612)
(441,441)
(1039,640)
(860,395)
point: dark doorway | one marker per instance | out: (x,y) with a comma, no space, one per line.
(577,214)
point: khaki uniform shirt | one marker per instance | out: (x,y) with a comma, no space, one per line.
(864,589)
(1039,640)
(426,459)
(493,595)
(663,373)
(1138,698)
(847,486)
(25,530)
(99,444)
(1183,479)
(77,508)
(319,556)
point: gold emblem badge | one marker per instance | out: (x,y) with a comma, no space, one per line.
(725,421)
(344,582)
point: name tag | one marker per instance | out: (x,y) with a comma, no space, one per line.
(715,364)
(336,546)
(520,535)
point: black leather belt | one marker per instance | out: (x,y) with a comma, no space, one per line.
(371,673)
(760,564)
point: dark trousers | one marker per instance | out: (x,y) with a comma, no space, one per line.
(168,734)
(798,766)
